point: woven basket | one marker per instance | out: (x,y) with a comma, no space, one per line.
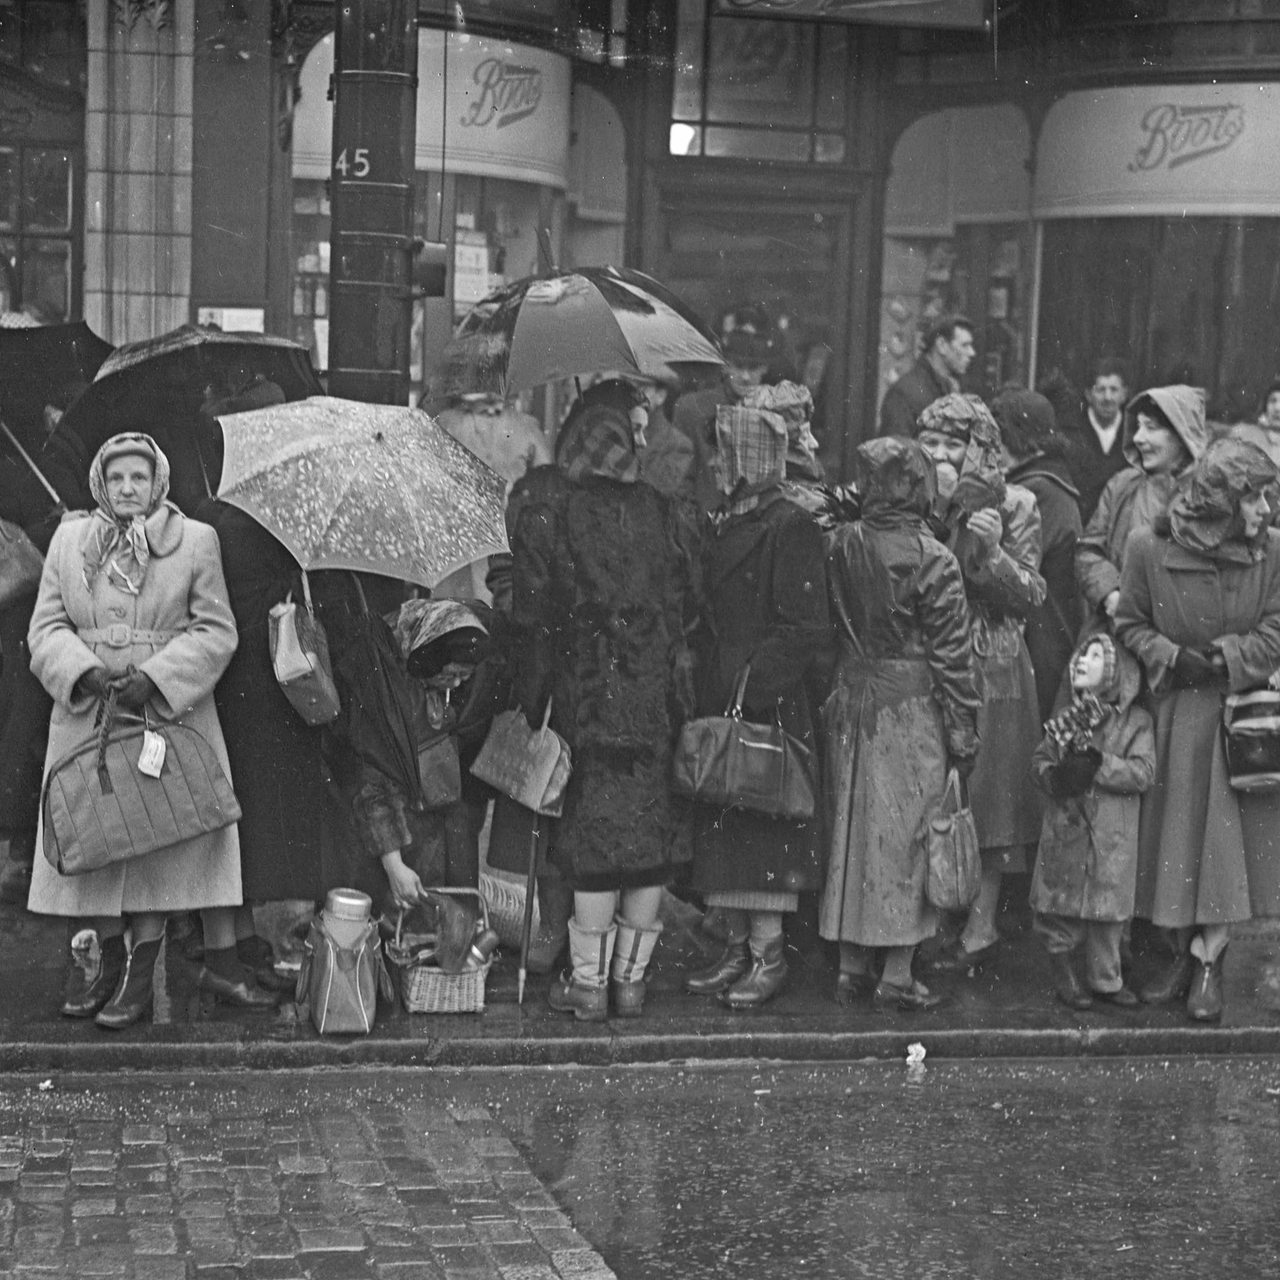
(426,988)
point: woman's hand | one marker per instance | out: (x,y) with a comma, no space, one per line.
(987,527)
(406,888)
(94,683)
(134,689)
(1110,602)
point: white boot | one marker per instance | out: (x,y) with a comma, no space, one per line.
(630,960)
(584,991)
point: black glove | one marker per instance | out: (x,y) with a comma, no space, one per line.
(1192,668)
(94,683)
(963,765)
(134,689)
(1074,773)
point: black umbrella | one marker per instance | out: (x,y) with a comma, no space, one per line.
(44,365)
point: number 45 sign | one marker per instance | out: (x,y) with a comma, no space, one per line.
(357,166)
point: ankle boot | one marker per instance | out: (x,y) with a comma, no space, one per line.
(1204,1001)
(763,980)
(1171,985)
(1066,982)
(84,999)
(630,960)
(132,1000)
(732,964)
(258,957)
(583,990)
(227,979)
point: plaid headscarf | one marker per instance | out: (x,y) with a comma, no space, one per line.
(1073,727)
(120,546)
(751,450)
(598,440)
(419,622)
(981,474)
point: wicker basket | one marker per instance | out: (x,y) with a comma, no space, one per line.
(426,988)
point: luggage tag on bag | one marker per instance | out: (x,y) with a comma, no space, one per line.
(151,761)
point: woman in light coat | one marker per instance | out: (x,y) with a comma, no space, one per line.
(133,601)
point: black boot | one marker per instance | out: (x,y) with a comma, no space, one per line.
(1173,984)
(226,978)
(730,965)
(763,980)
(1066,982)
(85,999)
(256,955)
(132,1000)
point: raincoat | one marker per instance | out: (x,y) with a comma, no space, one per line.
(1132,499)
(1088,855)
(182,594)
(905,699)
(1207,854)
(602,597)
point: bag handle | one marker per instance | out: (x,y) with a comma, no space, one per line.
(734,709)
(106,719)
(952,791)
(306,593)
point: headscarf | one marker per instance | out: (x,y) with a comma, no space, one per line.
(751,449)
(419,622)
(1204,511)
(897,481)
(981,474)
(1073,727)
(598,440)
(123,547)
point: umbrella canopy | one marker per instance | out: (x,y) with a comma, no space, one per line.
(370,487)
(592,320)
(44,365)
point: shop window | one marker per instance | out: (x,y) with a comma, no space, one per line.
(755,89)
(45,38)
(36,186)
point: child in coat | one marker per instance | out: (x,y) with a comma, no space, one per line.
(1096,759)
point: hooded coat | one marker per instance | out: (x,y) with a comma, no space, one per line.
(905,699)
(1088,855)
(1132,499)
(1207,854)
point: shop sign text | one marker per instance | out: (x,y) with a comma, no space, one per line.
(508,93)
(1174,135)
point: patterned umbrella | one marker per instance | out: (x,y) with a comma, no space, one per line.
(592,320)
(371,487)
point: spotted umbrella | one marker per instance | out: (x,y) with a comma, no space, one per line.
(370,487)
(573,323)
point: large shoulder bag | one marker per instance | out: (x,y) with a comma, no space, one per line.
(738,764)
(953,872)
(300,659)
(531,766)
(21,563)
(338,986)
(100,803)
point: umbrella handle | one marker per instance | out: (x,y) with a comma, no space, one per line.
(30,461)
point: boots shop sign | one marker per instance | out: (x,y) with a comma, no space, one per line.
(1160,150)
(490,108)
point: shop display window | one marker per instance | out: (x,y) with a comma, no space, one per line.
(36,188)
(757,89)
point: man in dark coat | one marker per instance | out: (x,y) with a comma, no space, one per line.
(948,352)
(1097,444)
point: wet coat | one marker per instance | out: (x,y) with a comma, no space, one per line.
(184,591)
(1207,854)
(764,586)
(1132,499)
(603,595)
(905,698)
(1088,856)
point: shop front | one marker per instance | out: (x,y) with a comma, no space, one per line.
(492,161)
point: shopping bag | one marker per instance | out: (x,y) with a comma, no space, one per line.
(532,766)
(338,986)
(300,659)
(21,563)
(954,869)
(737,764)
(101,804)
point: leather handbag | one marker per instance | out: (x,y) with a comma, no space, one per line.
(101,805)
(953,871)
(737,764)
(531,766)
(21,563)
(300,659)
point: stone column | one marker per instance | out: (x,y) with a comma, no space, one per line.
(138,167)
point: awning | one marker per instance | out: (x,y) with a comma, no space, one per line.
(1161,150)
(967,14)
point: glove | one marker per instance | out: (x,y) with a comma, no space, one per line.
(1074,773)
(94,684)
(963,765)
(1192,668)
(134,689)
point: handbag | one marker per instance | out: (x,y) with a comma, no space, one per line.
(100,804)
(531,766)
(21,563)
(1251,740)
(953,870)
(738,764)
(300,659)
(338,986)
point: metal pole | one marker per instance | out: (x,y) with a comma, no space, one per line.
(375,91)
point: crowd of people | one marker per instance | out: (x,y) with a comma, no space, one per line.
(1046,619)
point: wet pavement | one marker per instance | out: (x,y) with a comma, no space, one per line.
(1141,1169)
(1007,1009)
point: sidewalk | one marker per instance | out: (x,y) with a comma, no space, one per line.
(1006,1010)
